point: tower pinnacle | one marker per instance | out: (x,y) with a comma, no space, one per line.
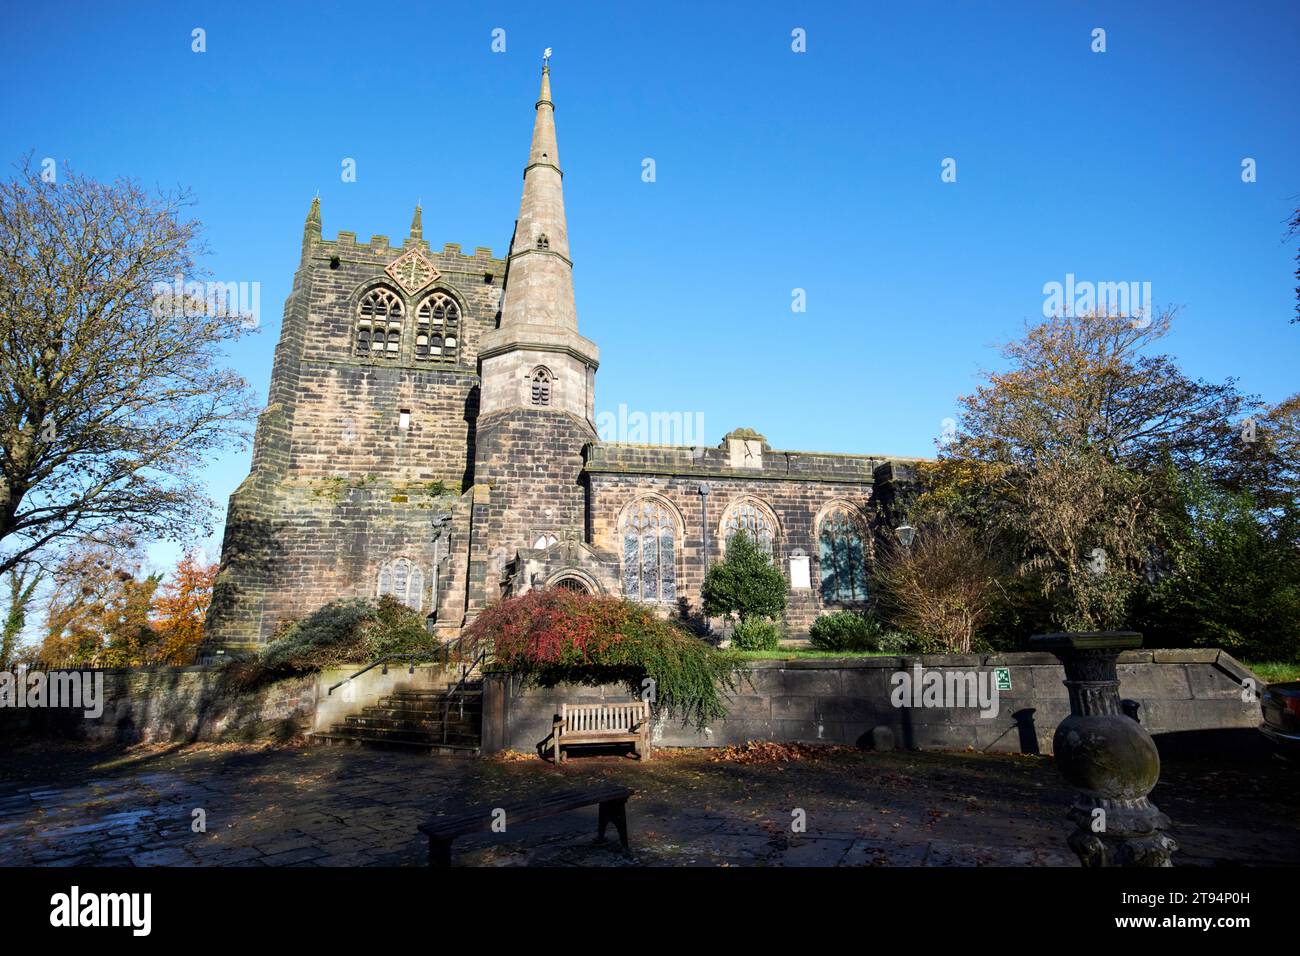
(311,228)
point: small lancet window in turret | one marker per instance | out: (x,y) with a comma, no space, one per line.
(543,242)
(437,328)
(379,324)
(541,383)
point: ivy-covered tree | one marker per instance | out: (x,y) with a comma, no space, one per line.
(20,584)
(746,583)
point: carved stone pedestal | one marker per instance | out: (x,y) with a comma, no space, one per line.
(1107,756)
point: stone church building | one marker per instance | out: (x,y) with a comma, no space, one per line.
(430,434)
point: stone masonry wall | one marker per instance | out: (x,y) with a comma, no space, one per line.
(195,703)
(338,486)
(796,487)
(842,701)
(532,461)
(307,543)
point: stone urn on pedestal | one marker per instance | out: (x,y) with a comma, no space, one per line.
(1108,756)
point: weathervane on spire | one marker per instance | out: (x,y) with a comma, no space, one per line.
(546,58)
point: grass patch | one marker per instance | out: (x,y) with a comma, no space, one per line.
(1275,672)
(790,653)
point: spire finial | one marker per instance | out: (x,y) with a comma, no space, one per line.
(417,223)
(546,59)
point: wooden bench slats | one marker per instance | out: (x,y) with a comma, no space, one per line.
(602,723)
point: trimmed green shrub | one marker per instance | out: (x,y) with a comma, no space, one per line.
(850,631)
(756,634)
(746,583)
(558,636)
(343,632)
(844,631)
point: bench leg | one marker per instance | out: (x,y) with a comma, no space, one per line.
(439,853)
(612,811)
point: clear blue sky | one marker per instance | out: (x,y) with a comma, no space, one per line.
(775,171)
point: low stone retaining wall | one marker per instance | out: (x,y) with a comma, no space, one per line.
(195,703)
(848,701)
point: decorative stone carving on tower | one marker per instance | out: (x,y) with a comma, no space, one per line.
(412,271)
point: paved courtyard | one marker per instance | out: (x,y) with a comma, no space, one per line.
(67,804)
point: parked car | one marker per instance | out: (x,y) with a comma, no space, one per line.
(1281,706)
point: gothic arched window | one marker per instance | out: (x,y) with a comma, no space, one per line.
(437,328)
(755,521)
(541,384)
(379,324)
(842,554)
(649,552)
(572,584)
(404,581)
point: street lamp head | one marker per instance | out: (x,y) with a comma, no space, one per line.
(905,534)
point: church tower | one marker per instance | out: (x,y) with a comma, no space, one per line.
(538,376)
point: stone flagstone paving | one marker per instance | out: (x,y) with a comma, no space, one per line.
(64,804)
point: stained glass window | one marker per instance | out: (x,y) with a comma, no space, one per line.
(649,552)
(842,554)
(752,520)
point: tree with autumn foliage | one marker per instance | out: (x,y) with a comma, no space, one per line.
(1070,449)
(100,607)
(180,608)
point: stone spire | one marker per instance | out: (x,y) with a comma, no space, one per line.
(539,288)
(311,228)
(539,326)
(417,224)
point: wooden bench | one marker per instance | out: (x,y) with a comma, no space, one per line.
(613,809)
(622,722)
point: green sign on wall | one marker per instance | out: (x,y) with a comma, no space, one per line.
(1003,675)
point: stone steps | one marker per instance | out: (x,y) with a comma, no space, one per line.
(413,720)
(385,743)
(370,722)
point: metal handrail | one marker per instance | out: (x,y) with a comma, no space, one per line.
(459,689)
(443,655)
